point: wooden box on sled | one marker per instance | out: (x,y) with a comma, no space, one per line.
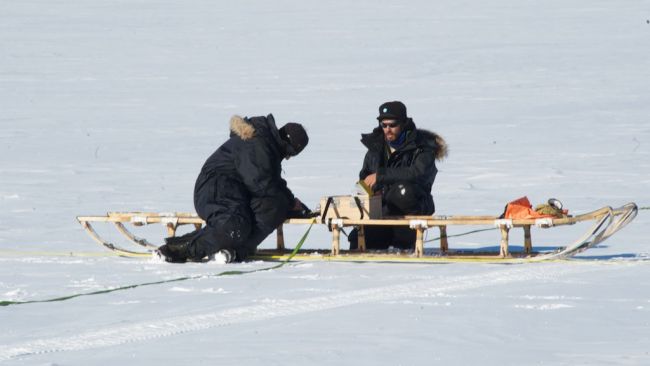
(353,207)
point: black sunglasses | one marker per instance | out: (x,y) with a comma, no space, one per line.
(388,125)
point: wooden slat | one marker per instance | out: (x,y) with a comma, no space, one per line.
(183,218)
(150,219)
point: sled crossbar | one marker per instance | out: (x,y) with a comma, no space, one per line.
(608,221)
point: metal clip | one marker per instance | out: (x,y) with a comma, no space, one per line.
(169,220)
(544,222)
(139,220)
(418,224)
(503,222)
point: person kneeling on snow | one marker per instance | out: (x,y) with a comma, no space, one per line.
(400,165)
(240,193)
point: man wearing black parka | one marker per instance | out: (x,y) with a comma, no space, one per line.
(240,193)
(400,164)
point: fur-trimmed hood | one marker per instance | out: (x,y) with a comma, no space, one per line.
(440,148)
(242,128)
(247,128)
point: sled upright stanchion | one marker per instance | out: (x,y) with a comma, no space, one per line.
(280,238)
(503,251)
(419,226)
(172,224)
(361,239)
(335,226)
(336,237)
(528,242)
(504,226)
(336,241)
(444,244)
(171,229)
(419,242)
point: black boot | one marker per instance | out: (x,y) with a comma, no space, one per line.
(174,253)
(177,248)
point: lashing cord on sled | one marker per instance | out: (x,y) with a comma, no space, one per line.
(178,279)
(462,234)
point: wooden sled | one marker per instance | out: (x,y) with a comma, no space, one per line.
(606,222)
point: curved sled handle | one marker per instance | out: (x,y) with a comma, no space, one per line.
(120,251)
(132,238)
(621,217)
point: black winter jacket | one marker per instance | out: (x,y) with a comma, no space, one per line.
(245,168)
(413,162)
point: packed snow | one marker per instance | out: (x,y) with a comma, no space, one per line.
(111,105)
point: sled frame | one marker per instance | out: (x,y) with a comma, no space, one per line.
(607,222)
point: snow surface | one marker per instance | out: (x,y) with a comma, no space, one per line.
(111,105)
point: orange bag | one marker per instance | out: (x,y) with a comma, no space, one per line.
(521,209)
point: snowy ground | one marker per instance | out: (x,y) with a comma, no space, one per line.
(114,106)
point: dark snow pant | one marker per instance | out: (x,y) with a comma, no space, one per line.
(234,220)
(400,199)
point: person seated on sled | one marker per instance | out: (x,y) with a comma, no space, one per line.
(401,166)
(240,193)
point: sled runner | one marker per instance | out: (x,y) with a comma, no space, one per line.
(605,222)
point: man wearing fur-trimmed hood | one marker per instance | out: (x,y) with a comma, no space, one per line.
(400,165)
(240,192)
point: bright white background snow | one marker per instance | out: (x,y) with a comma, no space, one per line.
(114,106)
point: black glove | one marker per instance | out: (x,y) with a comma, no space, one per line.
(301,211)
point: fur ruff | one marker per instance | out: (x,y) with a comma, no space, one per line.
(241,128)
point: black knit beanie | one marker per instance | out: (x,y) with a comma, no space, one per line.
(392,110)
(296,136)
